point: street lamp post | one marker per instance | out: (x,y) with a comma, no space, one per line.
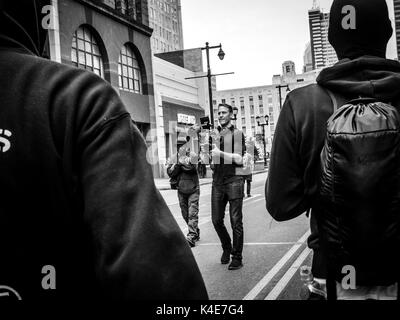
(235,112)
(263,122)
(280,95)
(221,55)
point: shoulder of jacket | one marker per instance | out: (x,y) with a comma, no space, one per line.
(312,89)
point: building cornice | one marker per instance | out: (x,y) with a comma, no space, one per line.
(116,15)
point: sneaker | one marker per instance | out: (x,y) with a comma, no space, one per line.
(191,242)
(235,264)
(249,195)
(226,257)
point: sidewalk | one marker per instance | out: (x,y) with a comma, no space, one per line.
(163,184)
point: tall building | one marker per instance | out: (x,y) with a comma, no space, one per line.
(323,54)
(110,38)
(165,17)
(396,4)
(307,59)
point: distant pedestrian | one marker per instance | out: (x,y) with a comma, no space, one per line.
(181,167)
(202,169)
(248,168)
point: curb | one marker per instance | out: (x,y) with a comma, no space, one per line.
(209,182)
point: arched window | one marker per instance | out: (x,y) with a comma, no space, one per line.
(85,52)
(130,78)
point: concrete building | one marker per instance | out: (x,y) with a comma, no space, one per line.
(165,17)
(180,102)
(323,54)
(396,4)
(307,59)
(112,39)
(264,100)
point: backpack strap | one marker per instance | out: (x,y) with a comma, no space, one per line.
(333,98)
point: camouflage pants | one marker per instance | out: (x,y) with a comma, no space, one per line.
(189,204)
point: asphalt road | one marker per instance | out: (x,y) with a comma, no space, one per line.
(273,251)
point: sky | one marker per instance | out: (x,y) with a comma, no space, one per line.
(257,36)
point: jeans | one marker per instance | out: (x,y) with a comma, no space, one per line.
(189,204)
(220,195)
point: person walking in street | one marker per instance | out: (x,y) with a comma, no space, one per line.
(359,32)
(202,169)
(80,216)
(248,168)
(227,186)
(182,168)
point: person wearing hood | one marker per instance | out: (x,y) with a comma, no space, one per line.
(359,37)
(80,216)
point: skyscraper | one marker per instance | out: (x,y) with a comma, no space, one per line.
(323,54)
(307,58)
(165,17)
(396,4)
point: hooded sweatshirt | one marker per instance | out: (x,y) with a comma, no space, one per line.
(291,187)
(80,216)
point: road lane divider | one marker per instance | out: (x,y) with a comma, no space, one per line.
(283,282)
(276,268)
(254,243)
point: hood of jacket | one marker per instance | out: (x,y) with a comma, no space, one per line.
(21,25)
(366,76)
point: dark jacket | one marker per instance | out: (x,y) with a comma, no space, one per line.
(299,136)
(76,191)
(231,140)
(186,174)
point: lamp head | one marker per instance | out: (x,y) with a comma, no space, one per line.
(235,111)
(221,54)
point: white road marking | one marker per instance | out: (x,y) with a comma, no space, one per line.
(271,274)
(281,285)
(253,243)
